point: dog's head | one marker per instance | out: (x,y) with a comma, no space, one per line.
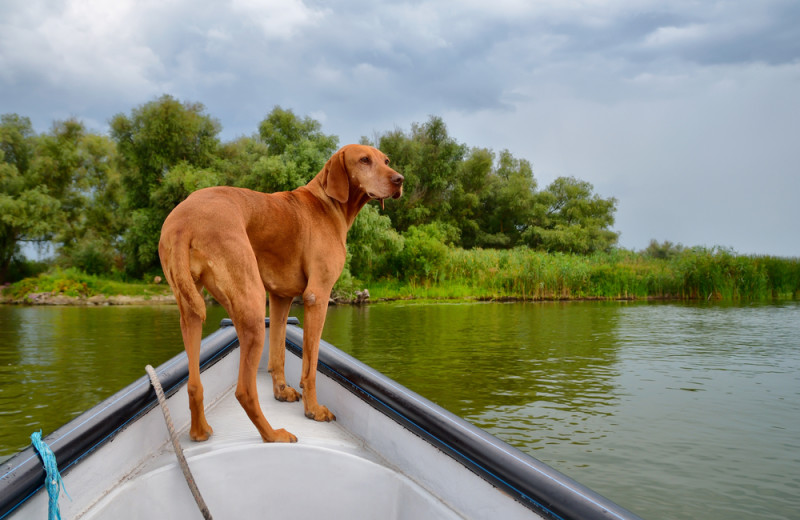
(365,169)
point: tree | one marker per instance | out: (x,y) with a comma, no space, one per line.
(429,160)
(28,212)
(372,244)
(665,251)
(80,172)
(95,244)
(424,251)
(469,195)
(154,139)
(287,153)
(507,202)
(569,217)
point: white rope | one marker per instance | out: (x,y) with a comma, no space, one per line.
(176,444)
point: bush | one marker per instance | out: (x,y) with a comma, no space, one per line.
(20,267)
(424,252)
(372,243)
(92,255)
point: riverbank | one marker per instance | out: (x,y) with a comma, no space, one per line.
(489,275)
(74,287)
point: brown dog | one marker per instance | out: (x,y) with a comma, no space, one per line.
(241,244)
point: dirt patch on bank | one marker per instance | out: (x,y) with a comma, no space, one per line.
(97,300)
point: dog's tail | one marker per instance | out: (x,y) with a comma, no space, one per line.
(174,256)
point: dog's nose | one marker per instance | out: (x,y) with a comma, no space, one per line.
(397,179)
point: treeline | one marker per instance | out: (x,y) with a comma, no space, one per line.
(101,199)
(469,215)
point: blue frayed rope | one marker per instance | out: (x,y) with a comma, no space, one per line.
(52,480)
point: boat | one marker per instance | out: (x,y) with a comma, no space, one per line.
(390,454)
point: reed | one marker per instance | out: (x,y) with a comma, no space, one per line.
(520,273)
(525,274)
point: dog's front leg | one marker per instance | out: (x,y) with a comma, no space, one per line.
(278,313)
(315,304)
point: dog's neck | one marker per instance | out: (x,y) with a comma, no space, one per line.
(349,210)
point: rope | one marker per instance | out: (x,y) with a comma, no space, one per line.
(176,444)
(52,480)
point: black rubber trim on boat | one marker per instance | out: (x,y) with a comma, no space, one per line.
(22,475)
(532,482)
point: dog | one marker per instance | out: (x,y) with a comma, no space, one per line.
(242,245)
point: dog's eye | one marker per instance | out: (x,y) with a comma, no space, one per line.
(365,160)
(386,162)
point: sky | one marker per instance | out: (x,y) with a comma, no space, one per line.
(687,111)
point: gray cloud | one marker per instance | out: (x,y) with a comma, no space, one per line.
(686,112)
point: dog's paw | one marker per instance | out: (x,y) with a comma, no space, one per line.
(286,393)
(320,413)
(202,433)
(282,436)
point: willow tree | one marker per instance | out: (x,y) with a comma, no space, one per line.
(28,210)
(153,140)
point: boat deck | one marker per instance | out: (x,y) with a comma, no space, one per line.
(328,473)
(232,427)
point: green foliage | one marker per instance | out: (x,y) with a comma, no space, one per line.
(78,284)
(424,252)
(429,160)
(159,137)
(471,222)
(783,275)
(523,273)
(288,152)
(20,267)
(372,244)
(718,273)
(92,254)
(28,210)
(666,250)
(570,218)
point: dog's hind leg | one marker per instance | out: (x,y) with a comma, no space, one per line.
(278,313)
(192,330)
(248,318)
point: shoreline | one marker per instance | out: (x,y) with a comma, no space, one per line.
(100,300)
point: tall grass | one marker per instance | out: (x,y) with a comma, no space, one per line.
(521,273)
(532,275)
(77,284)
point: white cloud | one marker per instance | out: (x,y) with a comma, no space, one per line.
(671,36)
(92,45)
(278,19)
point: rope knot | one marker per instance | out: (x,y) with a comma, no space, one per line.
(52,480)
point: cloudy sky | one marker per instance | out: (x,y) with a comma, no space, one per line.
(687,111)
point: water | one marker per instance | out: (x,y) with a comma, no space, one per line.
(671,410)
(56,362)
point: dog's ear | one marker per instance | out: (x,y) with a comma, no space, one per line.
(337,181)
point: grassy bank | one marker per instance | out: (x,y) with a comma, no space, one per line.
(72,286)
(530,275)
(707,274)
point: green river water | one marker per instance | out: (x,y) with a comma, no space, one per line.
(672,410)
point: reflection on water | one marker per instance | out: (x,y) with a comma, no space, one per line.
(672,410)
(536,375)
(56,362)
